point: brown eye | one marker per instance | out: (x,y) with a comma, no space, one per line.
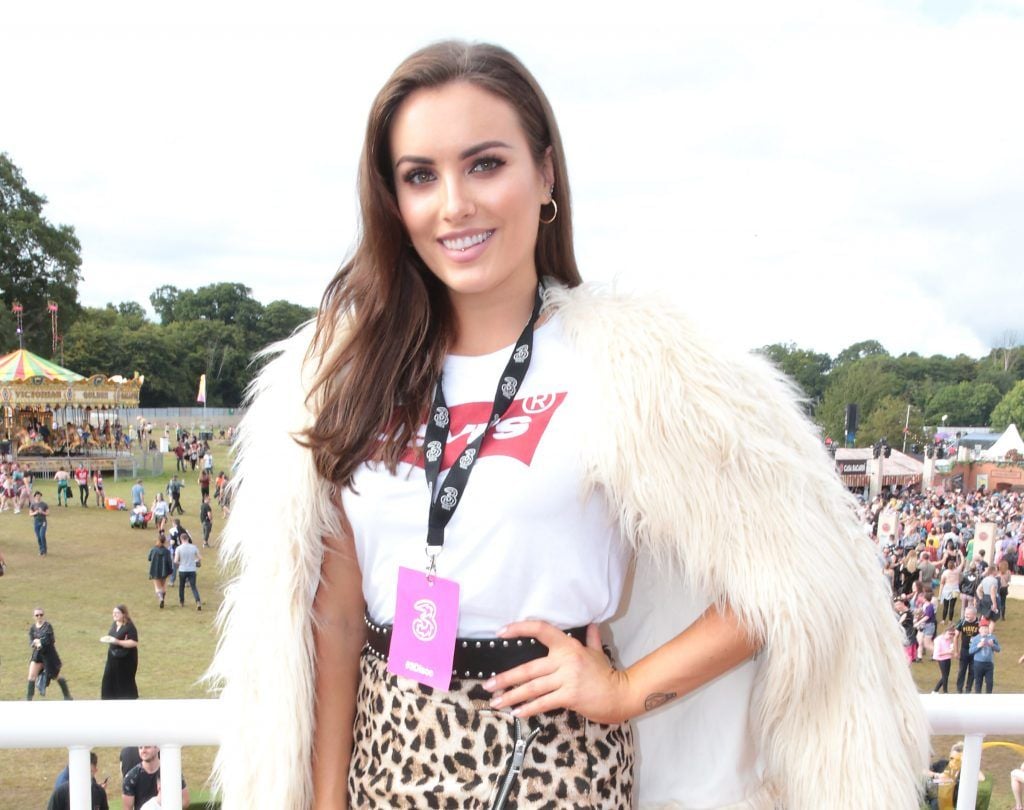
(418,177)
(487,164)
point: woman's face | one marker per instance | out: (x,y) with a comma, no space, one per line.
(469,191)
(118,616)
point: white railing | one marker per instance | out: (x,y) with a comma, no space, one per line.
(82,724)
(973,716)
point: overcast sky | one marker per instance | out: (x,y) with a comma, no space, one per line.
(820,173)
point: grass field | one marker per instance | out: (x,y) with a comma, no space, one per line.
(95,561)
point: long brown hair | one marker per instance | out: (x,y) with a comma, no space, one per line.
(393,315)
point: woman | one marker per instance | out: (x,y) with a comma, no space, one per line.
(122,658)
(160,510)
(925,623)
(204,484)
(1005,576)
(161,566)
(909,573)
(951,552)
(465,206)
(943,656)
(949,583)
(43,664)
(97,485)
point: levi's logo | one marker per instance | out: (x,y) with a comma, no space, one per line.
(515,435)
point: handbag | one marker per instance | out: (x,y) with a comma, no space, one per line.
(199,563)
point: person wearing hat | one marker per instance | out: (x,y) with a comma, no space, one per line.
(983,648)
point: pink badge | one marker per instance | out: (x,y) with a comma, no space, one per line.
(426,625)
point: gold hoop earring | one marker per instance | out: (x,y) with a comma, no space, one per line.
(554,215)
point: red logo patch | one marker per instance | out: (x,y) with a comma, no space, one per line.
(515,435)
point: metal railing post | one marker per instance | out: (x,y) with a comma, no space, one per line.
(79,777)
(970,764)
(170,776)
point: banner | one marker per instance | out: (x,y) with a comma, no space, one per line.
(985,540)
(888,526)
(202,389)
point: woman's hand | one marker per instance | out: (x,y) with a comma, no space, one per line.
(571,676)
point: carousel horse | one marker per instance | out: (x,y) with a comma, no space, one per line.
(104,437)
(29,444)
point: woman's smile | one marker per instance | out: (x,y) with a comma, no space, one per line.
(469,190)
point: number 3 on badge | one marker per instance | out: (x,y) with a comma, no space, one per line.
(424,626)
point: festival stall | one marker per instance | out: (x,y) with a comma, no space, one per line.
(897,471)
(1008,447)
(50,410)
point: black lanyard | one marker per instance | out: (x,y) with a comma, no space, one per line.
(443,506)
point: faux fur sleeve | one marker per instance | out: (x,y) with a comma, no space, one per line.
(280,510)
(720,481)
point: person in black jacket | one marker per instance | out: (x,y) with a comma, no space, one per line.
(44,664)
(60,799)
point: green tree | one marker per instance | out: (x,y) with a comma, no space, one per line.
(859,351)
(279,320)
(225,302)
(990,369)
(810,369)
(164,299)
(213,348)
(1010,409)
(107,340)
(863,382)
(39,261)
(966,403)
(887,421)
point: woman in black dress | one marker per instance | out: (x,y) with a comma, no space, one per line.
(161,566)
(122,659)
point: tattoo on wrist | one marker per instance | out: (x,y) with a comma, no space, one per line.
(657,699)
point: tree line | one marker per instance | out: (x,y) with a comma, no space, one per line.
(988,391)
(214,330)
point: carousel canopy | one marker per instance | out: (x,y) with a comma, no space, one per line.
(29,381)
(21,365)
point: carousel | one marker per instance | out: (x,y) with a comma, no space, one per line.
(51,413)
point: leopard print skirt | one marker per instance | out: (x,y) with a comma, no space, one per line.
(415,747)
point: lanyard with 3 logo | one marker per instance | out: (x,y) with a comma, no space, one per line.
(427,610)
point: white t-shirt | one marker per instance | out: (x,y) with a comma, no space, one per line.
(523,543)
(187,555)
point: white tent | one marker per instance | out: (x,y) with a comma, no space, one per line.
(1010,440)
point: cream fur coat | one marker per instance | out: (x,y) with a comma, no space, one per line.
(725,492)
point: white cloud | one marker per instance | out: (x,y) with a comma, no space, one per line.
(809,172)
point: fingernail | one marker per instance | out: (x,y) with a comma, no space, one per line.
(502,631)
(516,712)
(489,685)
(496,703)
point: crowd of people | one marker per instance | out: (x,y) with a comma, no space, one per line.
(950,589)
(948,596)
(141,787)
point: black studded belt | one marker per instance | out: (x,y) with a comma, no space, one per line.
(474,657)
